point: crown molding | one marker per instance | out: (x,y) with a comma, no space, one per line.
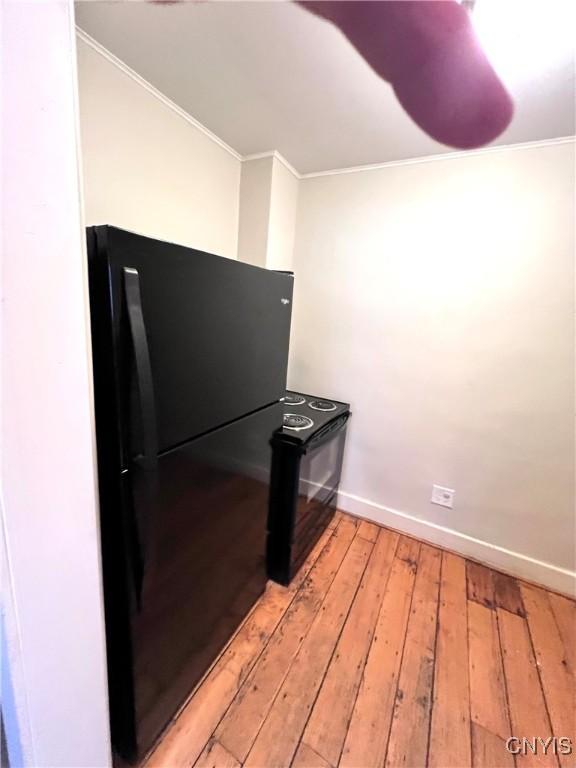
(278,156)
(109,56)
(441,156)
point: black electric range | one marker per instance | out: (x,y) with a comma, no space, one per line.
(307,456)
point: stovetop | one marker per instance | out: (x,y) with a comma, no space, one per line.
(305,415)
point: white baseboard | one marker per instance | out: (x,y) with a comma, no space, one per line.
(522,566)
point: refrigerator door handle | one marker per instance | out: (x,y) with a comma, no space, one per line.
(149,459)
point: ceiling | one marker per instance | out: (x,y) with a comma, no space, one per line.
(270,76)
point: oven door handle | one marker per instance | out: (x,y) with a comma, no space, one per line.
(327,433)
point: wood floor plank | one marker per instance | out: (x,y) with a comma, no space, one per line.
(280,735)
(215,756)
(367,737)
(507,594)
(336,517)
(328,723)
(368,531)
(335,669)
(528,715)
(306,757)
(239,727)
(488,750)
(184,740)
(408,742)
(450,727)
(480,583)
(488,705)
(555,674)
(564,611)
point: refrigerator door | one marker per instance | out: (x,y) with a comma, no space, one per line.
(197,529)
(201,379)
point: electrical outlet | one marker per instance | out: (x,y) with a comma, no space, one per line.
(442,496)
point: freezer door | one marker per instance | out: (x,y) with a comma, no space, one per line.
(217,333)
(200,530)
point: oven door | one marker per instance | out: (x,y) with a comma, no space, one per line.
(320,469)
(321,462)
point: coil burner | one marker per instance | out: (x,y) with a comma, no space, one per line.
(297,422)
(293,400)
(322,405)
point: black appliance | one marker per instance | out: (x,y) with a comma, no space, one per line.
(307,458)
(190,355)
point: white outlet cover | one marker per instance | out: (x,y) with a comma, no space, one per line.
(443,496)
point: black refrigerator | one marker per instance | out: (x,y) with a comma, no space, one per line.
(190,354)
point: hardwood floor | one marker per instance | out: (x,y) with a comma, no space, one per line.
(385,651)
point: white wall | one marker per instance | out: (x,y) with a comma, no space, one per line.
(255,201)
(52,601)
(268,205)
(146,167)
(282,224)
(438,298)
